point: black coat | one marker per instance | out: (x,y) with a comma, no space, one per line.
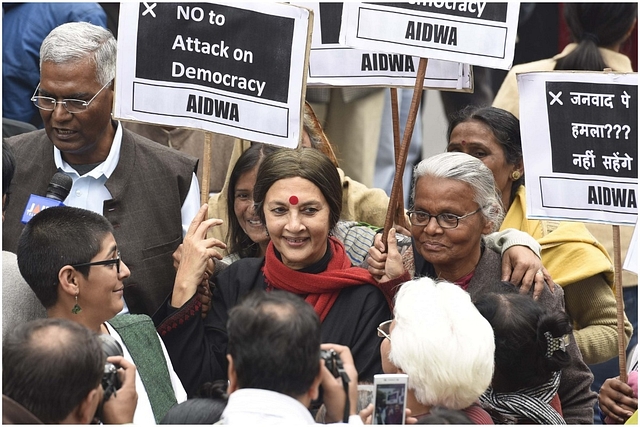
(198,347)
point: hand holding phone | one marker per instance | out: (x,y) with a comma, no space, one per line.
(389,398)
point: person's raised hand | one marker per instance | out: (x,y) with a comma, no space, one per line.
(385,265)
(197,251)
(120,407)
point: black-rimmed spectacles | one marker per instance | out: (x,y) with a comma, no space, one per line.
(110,261)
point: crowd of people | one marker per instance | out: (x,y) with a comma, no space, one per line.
(271,303)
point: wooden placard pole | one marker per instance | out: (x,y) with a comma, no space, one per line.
(617,265)
(206,169)
(399,218)
(401,161)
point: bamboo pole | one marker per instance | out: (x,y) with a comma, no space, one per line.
(617,265)
(402,156)
(206,169)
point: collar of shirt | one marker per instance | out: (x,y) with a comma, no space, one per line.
(105,168)
(257,406)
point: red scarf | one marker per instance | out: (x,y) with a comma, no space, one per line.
(321,289)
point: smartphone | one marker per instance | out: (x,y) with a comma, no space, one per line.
(389,398)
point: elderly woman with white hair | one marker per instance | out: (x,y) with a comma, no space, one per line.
(440,340)
(455,203)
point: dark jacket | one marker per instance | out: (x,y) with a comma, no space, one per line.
(198,347)
(148,186)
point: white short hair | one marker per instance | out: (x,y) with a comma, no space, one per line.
(442,342)
(469,170)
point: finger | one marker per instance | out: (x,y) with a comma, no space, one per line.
(177,256)
(520,276)
(392,242)
(376,272)
(204,226)
(377,243)
(128,367)
(195,222)
(378,263)
(539,284)
(408,418)
(548,279)
(365,414)
(506,270)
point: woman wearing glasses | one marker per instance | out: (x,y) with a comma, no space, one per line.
(69,257)
(575,259)
(455,203)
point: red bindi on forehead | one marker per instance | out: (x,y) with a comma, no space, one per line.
(293,200)
(463,142)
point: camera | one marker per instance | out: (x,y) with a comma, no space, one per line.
(332,361)
(110,378)
(334,364)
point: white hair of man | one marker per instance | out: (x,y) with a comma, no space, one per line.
(469,170)
(442,342)
(74,41)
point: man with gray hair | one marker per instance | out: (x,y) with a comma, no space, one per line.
(148,192)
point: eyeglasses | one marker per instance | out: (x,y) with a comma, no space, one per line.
(115,261)
(383,329)
(71,105)
(444,220)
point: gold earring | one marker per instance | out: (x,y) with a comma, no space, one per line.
(515,175)
(76,308)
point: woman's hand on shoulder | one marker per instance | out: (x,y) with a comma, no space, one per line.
(523,268)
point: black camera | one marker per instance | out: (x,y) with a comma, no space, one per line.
(334,364)
(110,379)
(332,361)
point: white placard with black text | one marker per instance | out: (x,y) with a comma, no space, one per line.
(477,33)
(333,64)
(580,145)
(237,68)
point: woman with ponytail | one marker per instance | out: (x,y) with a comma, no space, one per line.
(531,352)
(597,30)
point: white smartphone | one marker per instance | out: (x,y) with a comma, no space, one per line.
(389,398)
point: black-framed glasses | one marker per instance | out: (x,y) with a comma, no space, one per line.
(110,261)
(444,220)
(384,329)
(73,106)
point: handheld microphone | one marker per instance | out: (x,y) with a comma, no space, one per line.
(58,190)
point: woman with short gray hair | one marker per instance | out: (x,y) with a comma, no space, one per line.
(455,204)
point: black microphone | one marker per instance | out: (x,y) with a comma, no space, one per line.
(59,187)
(58,190)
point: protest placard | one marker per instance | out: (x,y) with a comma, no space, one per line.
(477,33)
(234,69)
(580,145)
(333,64)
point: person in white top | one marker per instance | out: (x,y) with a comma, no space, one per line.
(275,367)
